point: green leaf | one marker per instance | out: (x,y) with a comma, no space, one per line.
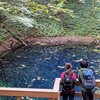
(61,4)
(0,4)
(8,9)
(46,11)
(15,11)
(32,3)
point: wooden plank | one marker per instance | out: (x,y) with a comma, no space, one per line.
(19,98)
(25,89)
(56,85)
(56,88)
(97,96)
(58,96)
(44,93)
(98,83)
(79,94)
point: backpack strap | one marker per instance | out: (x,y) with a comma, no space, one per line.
(71,73)
(82,72)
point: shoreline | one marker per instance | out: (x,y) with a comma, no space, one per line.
(12,43)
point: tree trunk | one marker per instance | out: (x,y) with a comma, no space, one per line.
(92,11)
(84,8)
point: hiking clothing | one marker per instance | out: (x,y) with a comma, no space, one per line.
(73,75)
(68,93)
(80,78)
(88,95)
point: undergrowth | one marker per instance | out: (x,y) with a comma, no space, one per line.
(24,21)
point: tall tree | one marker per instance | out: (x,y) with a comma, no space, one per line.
(92,11)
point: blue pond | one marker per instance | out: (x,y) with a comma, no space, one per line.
(38,66)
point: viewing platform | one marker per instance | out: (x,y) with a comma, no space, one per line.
(52,94)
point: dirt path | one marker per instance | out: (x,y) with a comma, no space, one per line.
(11,43)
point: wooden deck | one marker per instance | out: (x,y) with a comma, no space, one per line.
(40,93)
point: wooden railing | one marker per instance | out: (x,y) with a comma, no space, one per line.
(40,93)
(97,95)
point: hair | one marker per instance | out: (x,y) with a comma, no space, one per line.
(84,64)
(68,66)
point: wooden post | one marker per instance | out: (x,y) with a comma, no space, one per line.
(58,96)
(57,99)
(19,98)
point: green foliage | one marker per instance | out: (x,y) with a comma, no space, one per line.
(38,8)
(3,34)
(51,28)
(28,22)
(83,23)
(54,18)
(4,84)
(50,9)
(96,50)
(0,4)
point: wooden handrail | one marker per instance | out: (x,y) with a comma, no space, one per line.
(56,87)
(46,93)
(97,83)
(42,93)
(35,92)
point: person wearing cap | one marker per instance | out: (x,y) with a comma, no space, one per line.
(68,93)
(87,95)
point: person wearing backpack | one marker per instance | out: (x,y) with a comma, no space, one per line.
(87,80)
(68,79)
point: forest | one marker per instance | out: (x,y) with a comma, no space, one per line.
(25,60)
(49,18)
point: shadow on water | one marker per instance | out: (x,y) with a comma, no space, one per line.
(38,66)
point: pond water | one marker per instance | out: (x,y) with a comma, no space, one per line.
(38,66)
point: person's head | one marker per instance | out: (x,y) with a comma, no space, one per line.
(68,66)
(84,64)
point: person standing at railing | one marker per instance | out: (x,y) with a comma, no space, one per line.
(87,80)
(68,79)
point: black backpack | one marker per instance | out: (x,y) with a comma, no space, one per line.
(68,83)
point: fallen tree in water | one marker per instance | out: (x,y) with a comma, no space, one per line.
(13,43)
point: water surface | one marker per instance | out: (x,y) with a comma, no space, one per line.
(38,66)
